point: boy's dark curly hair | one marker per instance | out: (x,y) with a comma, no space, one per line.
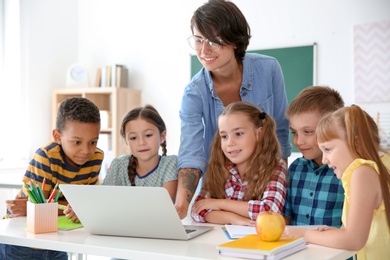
(77,109)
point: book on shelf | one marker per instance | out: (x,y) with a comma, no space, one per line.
(98,77)
(252,247)
(108,76)
(122,77)
(115,75)
(103,72)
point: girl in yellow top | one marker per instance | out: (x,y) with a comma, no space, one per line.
(349,147)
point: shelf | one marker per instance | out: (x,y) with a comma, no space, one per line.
(117,101)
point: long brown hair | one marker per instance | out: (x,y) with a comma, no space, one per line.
(150,114)
(264,160)
(357,127)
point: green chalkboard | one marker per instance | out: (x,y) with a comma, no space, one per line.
(298,66)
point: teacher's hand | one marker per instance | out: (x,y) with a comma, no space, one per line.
(181,210)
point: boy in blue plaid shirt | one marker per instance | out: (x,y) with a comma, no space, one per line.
(314,194)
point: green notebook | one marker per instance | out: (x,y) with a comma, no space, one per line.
(66,224)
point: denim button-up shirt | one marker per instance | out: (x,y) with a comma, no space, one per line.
(262,85)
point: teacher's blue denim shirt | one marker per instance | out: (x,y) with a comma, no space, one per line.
(262,85)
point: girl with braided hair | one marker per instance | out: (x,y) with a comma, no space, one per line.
(246,173)
(144,132)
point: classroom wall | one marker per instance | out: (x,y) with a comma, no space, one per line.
(49,45)
(150,38)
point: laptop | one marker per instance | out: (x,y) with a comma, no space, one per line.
(146,212)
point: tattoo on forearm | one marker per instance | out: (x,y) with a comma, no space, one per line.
(190,179)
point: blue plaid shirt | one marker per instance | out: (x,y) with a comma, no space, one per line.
(315,195)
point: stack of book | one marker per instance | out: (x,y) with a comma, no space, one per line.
(238,231)
(252,247)
(115,75)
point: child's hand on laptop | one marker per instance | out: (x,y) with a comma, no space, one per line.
(69,213)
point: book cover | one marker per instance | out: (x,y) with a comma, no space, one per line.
(122,77)
(251,246)
(67,224)
(98,77)
(108,76)
(226,233)
(237,231)
(114,78)
(103,77)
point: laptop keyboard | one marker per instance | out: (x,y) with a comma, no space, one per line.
(190,230)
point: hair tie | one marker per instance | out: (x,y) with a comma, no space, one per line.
(262,115)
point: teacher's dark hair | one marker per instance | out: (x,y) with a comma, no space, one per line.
(223,19)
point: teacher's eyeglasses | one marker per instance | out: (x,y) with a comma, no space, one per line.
(196,43)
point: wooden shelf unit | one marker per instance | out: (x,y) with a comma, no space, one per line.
(117,101)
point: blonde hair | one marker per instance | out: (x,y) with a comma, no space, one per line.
(262,164)
(357,127)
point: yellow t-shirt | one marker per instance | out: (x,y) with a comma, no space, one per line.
(378,243)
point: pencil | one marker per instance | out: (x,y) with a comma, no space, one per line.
(52,195)
(35,193)
(31,197)
(43,184)
(57,196)
(40,192)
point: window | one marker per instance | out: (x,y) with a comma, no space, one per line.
(12,110)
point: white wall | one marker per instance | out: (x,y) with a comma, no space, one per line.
(150,38)
(49,44)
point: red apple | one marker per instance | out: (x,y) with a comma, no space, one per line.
(270,226)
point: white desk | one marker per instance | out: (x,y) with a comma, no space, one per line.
(13,231)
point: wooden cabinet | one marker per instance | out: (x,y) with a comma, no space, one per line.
(113,103)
